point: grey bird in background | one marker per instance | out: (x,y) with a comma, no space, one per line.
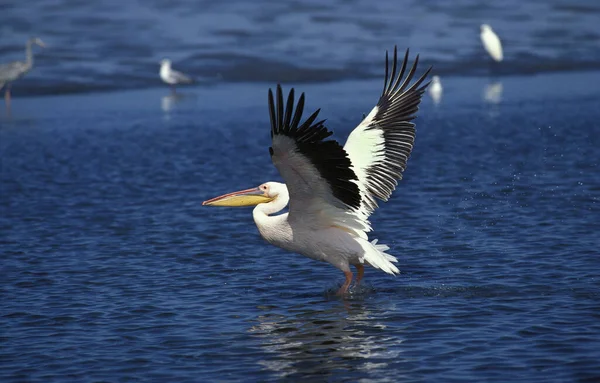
(15,70)
(171,76)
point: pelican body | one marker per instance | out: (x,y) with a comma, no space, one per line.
(171,76)
(331,190)
(491,42)
(17,69)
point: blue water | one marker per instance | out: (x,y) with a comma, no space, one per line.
(107,45)
(111,270)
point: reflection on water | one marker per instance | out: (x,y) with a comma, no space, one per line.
(168,102)
(492,93)
(436,97)
(111,271)
(345,339)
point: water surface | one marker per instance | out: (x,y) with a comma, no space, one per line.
(118,45)
(111,270)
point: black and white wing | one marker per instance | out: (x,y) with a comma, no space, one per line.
(380,145)
(323,187)
(334,185)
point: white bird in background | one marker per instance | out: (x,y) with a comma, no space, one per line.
(332,190)
(435,89)
(171,76)
(17,69)
(491,42)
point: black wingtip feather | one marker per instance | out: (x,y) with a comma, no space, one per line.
(327,156)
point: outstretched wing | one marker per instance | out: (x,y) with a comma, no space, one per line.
(380,145)
(334,185)
(317,171)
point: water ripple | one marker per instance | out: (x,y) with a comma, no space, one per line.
(113,271)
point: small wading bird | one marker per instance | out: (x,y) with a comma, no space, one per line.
(331,190)
(17,69)
(491,42)
(435,89)
(171,76)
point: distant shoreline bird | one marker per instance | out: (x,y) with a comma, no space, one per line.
(491,42)
(171,76)
(435,89)
(332,189)
(17,69)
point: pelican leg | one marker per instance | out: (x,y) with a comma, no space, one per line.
(344,289)
(360,272)
(173,91)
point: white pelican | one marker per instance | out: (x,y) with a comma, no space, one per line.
(17,69)
(331,190)
(491,42)
(171,76)
(435,90)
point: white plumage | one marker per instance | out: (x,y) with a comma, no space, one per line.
(491,42)
(331,190)
(435,89)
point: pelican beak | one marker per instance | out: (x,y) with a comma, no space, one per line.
(248,197)
(40,43)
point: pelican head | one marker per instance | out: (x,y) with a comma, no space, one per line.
(37,41)
(485,27)
(166,62)
(264,193)
(435,79)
